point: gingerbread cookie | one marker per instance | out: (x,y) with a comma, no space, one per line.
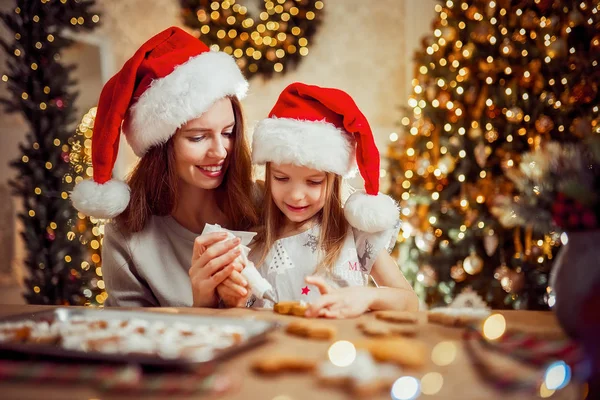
(380,329)
(311,330)
(15,332)
(276,364)
(284,307)
(297,308)
(411,353)
(458,317)
(364,377)
(403,317)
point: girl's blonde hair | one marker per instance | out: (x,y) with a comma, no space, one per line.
(334,226)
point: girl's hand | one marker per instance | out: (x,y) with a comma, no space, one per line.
(349,302)
(212,260)
(234,290)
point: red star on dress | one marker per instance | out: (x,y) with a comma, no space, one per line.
(305,290)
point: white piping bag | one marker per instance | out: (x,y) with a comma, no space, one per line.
(259,286)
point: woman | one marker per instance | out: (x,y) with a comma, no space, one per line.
(178,105)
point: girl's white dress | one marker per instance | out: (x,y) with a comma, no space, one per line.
(293,258)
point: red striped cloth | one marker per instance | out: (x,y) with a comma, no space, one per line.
(524,347)
(121,378)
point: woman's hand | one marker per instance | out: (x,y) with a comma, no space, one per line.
(212,260)
(234,290)
(348,302)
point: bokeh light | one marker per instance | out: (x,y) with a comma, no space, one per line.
(557,375)
(545,392)
(444,353)
(494,326)
(431,383)
(342,353)
(564,239)
(406,388)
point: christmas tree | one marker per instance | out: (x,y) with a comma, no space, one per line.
(41,88)
(495,80)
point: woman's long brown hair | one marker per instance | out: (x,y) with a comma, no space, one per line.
(334,226)
(153,184)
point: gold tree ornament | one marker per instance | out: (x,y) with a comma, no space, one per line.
(581,127)
(501,272)
(512,281)
(514,115)
(264,37)
(449,33)
(473,264)
(584,92)
(490,242)
(457,272)
(544,124)
(475,132)
(482,152)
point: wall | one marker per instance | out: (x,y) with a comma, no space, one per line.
(12,130)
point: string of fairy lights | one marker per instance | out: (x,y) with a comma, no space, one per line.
(513,54)
(270,42)
(88,230)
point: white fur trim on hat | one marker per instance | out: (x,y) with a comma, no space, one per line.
(314,144)
(100,200)
(371,213)
(181,96)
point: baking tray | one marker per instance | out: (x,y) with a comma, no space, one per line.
(256,333)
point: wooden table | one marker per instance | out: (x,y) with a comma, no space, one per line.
(460,378)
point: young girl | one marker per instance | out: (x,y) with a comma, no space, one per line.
(309,247)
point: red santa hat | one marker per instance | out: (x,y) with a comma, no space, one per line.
(323,129)
(172,79)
